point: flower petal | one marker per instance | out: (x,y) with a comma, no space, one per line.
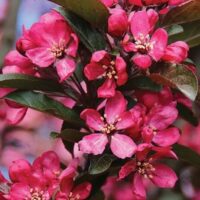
(115,106)
(167,137)
(125,121)
(159,42)
(140,24)
(93,119)
(93,144)
(164,176)
(83,190)
(93,70)
(65,68)
(142,61)
(107,90)
(41,56)
(126,169)
(122,146)
(139,188)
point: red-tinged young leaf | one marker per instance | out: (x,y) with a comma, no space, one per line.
(189,12)
(179,77)
(92,11)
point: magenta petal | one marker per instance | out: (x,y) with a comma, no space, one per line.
(41,56)
(93,119)
(121,71)
(140,24)
(126,169)
(93,71)
(139,188)
(65,68)
(160,117)
(93,143)
(15,115)
(19,191)
(167,137)
(19,170)
(107,90)
(122,146)
(98,56)
(125,121)
(115,106)
(73,46)
(164,176)
(159,42)
(83,190)
(142,61)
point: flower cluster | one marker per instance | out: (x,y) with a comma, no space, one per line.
(133,127)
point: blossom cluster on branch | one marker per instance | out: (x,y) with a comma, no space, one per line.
(125,94)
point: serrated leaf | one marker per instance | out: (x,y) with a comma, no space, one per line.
(92,11)
(101,164)
(187,114)
(143,83)
(88,35)
(45,104)
(180,77)
(27,82)
(187,155)
(183,14)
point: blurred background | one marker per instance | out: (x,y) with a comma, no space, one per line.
(31,137)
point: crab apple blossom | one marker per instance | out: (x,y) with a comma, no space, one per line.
(56,44)
(117,22)
(107,128)
(68,189)
(147,46)
(113,70)
(109,3)
(147,167)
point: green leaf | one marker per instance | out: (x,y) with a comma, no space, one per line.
(183,14)
(143,83)
(27,82)
(101,164)
(72,135)
(175,29)
(92,11)
(187,114)
(45,104)
(187,155)
(88,35)
(191,34)
(178,76)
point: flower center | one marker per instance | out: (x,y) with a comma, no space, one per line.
(143,44)
(58,50)
(110,71)
(36,194)
(72,197)
(109,127)
(145,169)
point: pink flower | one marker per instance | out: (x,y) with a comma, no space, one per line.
(147,47)
(115,120)
(35,181)
(148,168)
(16,63)
(56,44)
(117,22)
(67,188)
(102,65)
(156,127)
(156,2)
(176,52)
